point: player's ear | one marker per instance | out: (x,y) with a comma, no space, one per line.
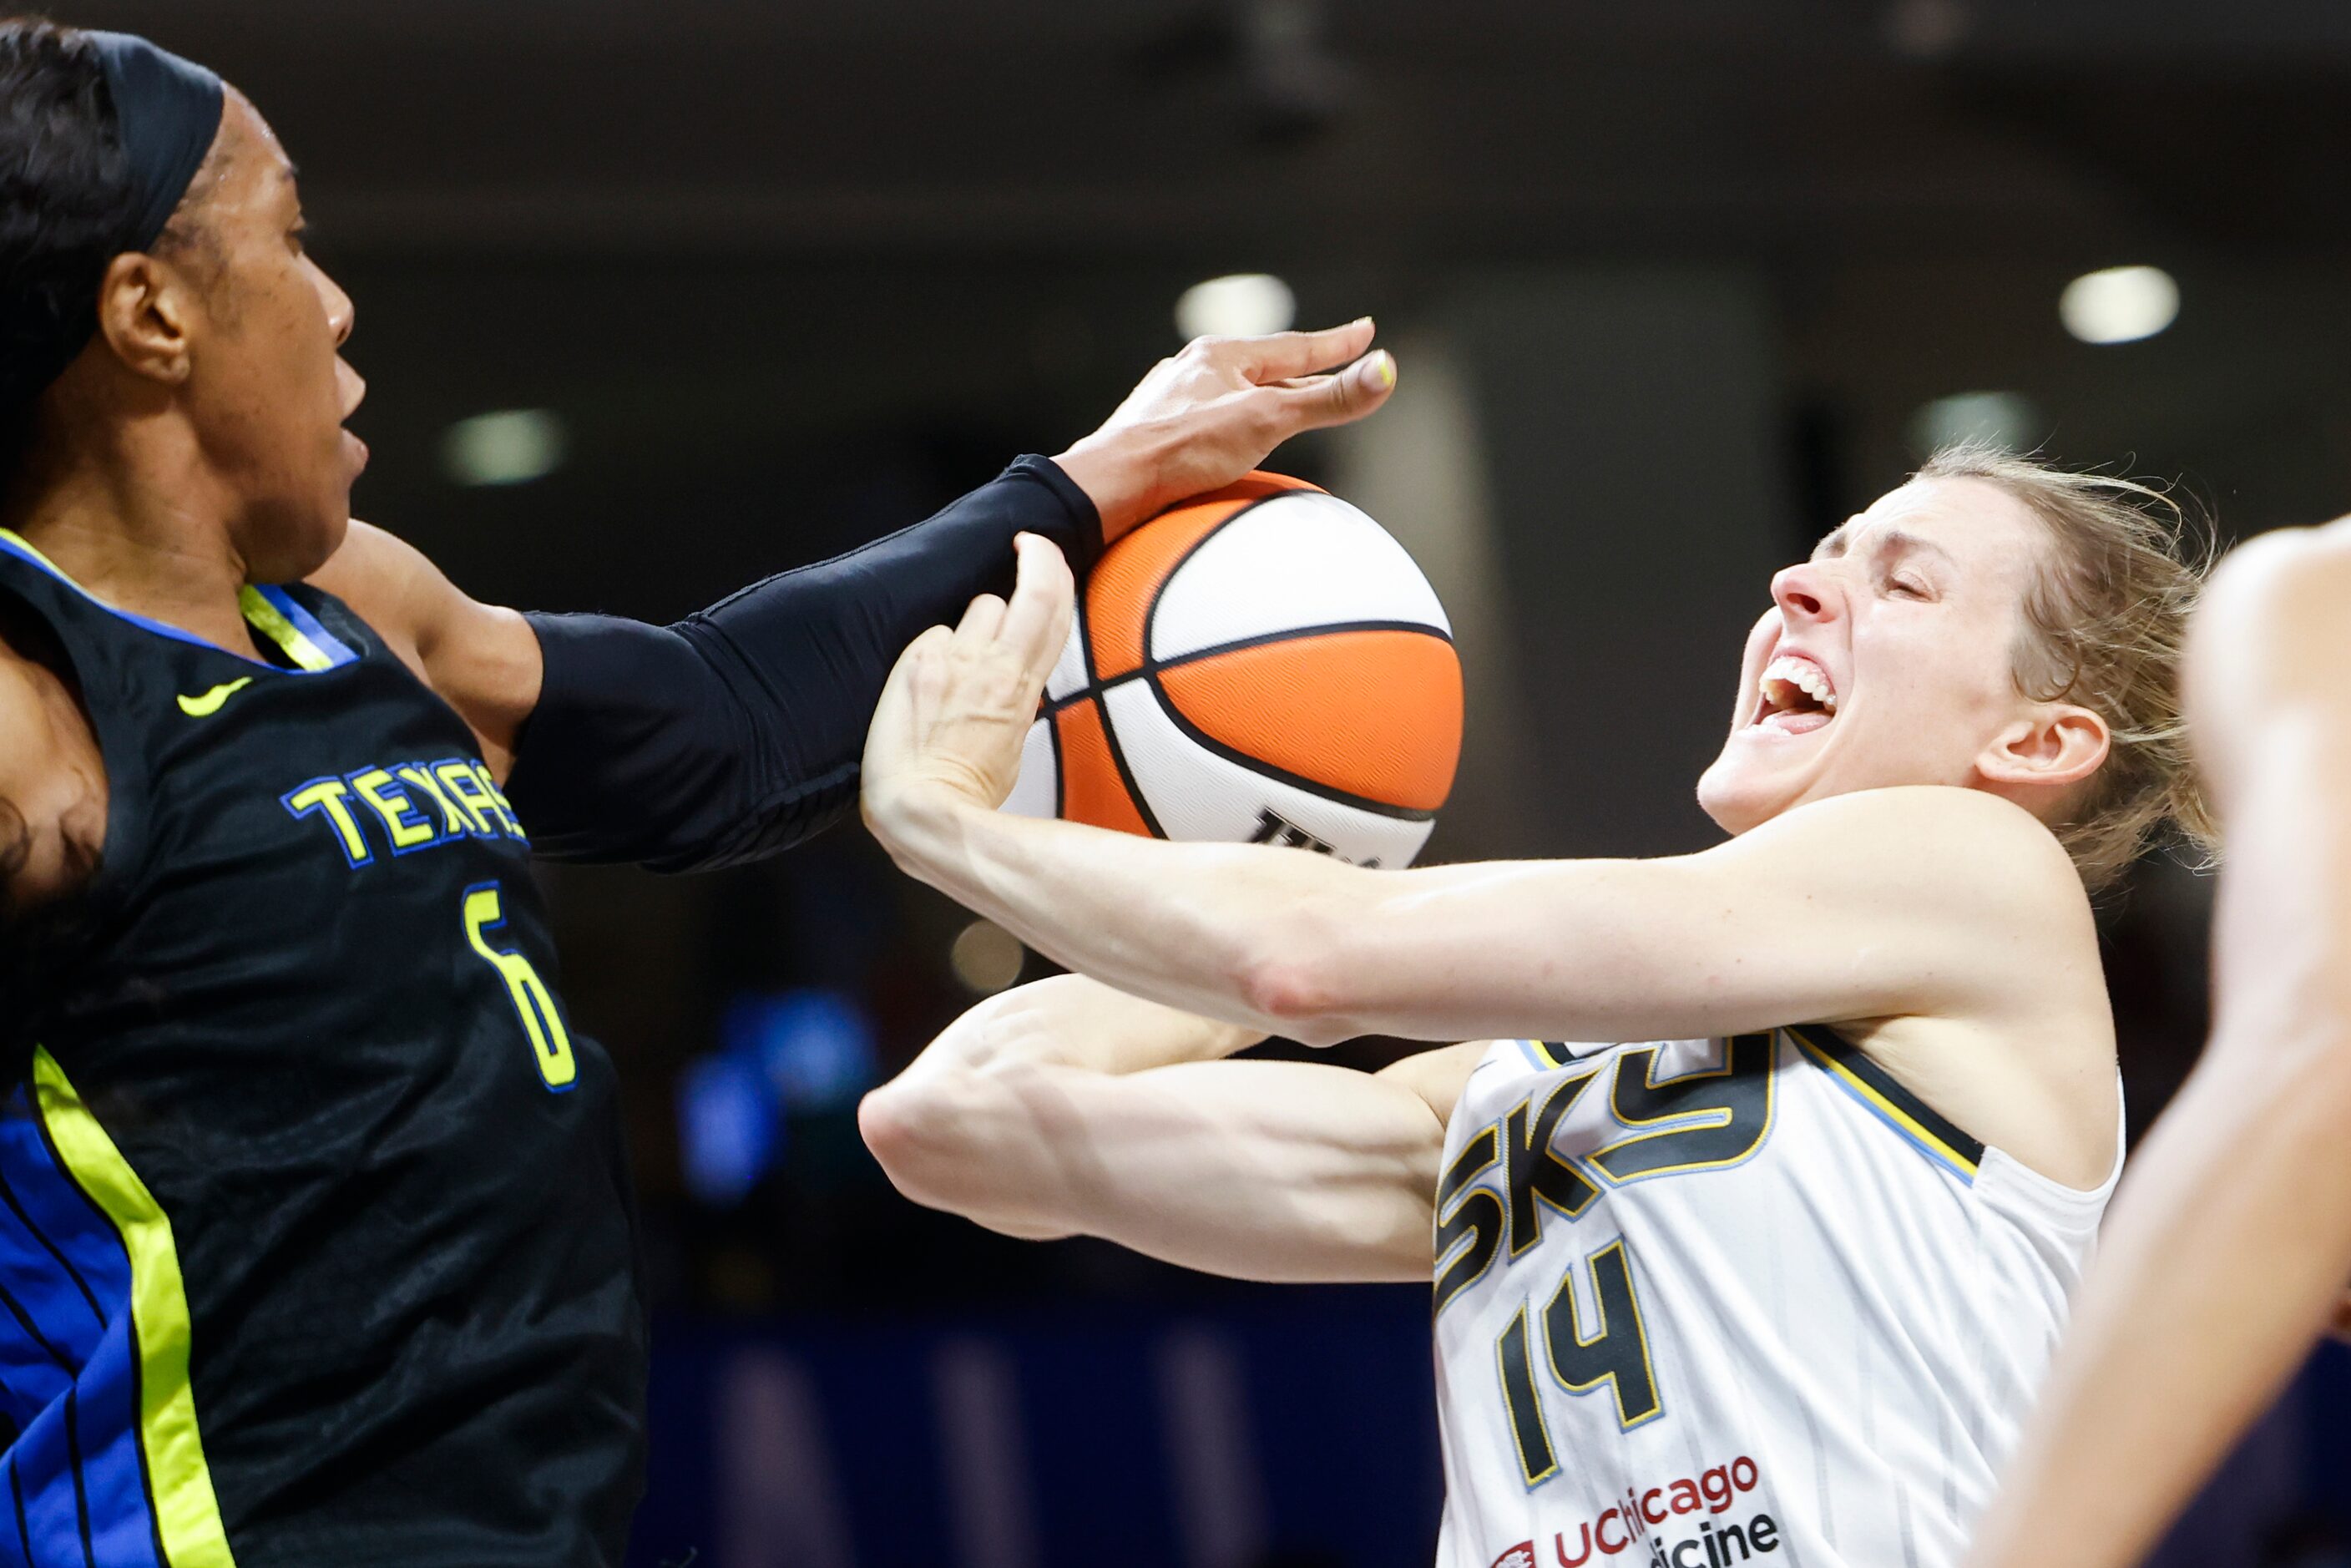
(2056,746)
(146,312)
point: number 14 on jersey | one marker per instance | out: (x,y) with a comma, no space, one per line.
(1589,1334)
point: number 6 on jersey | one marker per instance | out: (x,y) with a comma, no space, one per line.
(533,1002)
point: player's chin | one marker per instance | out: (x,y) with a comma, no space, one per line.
(326,523)
(301,535)
(334,526)
(1741,790)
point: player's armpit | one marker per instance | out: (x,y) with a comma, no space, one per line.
(1438,1075)
(481,659)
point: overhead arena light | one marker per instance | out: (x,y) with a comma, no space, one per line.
(512,446)
(987,957)
(2120,304)
(1244,305)
(2003,420)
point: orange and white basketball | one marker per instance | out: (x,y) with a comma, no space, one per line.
(1263,663)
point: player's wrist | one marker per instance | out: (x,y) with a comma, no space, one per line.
(1120,470)
(916,819)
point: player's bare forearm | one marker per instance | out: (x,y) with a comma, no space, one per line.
(2231,1245)
(2217,1271)
(1073,1021)
(1065,1108)
(1183,925)
(1797,921)
(952,1130)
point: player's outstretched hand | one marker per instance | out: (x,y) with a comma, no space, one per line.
(1208,415)
(949,727)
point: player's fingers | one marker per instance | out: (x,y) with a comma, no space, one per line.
(1286,354)
(1314,402)
(1036,624)
(981,619)
(912,679)
(929,650)
(924,648)
(926,653)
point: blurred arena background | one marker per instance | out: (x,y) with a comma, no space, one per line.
(655,298)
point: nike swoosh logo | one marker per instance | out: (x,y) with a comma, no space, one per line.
(213,701)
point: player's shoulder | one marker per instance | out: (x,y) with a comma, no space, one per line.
(1935,822)
(384,580)
(2274,626)
(481,659)
(1967,851)
(2283,588)
(412,605)
(380,574)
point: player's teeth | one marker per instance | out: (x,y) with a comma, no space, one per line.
(1805,676)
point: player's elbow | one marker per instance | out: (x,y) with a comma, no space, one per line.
(917,1135)
(1294,978)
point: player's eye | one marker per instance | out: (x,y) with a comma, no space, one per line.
(1909,585)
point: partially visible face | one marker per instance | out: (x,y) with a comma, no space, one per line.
(1887,658)
(268,387)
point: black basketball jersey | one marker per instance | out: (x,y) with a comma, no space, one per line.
(316,1244)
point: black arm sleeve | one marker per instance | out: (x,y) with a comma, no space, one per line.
(736,733)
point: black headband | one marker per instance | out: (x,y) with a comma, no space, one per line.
(169,110)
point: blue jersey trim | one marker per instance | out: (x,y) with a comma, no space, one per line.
(77,1474)
(339,653)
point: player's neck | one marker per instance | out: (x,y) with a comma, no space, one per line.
(139,520)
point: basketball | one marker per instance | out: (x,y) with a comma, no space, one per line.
(1263,663)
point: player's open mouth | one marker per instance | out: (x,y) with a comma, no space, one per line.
(356,393)
(1794,696)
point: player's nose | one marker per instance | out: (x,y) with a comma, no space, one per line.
(342,315)
(1805,593)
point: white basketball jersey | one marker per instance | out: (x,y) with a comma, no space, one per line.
(1704,1303)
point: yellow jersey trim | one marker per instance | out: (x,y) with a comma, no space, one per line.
(262,615)
(1870,1084)
(187,1510)
(22,543)
(271,622)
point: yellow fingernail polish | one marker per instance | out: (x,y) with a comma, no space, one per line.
(1387,369)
